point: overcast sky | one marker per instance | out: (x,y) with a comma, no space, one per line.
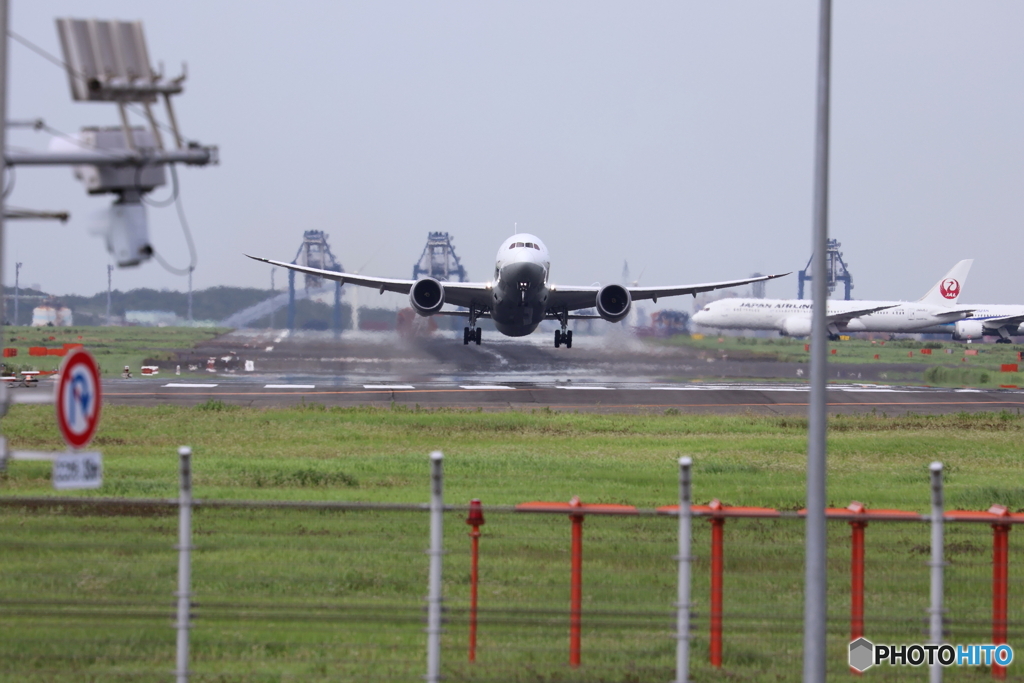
(675,135)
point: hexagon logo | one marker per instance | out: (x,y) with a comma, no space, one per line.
(950,288)
(862,654)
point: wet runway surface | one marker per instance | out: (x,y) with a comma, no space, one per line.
(600,374)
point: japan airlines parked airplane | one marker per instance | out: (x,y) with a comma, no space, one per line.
(793,316)
(520,296)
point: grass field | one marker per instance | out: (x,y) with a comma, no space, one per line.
(940,363)
(286,595)
(113,347)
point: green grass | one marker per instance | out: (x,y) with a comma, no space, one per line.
(113,347)
(942,364)
(286,595)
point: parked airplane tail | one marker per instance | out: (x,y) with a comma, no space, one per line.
(946,291)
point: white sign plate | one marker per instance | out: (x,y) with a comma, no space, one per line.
(77,471)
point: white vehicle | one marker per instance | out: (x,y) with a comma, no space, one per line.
(792,317)
(520,296)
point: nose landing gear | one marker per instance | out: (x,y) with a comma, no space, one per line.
(563,338)
(470,334)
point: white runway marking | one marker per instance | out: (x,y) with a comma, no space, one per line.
(586,388)
(289,386)
(485,386)
(190,386)
(388,386)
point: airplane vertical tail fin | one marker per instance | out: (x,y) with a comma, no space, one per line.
(946,291)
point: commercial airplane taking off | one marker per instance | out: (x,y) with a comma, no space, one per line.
(793,316)
(520,296)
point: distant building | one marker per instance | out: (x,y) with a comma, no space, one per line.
(52,314)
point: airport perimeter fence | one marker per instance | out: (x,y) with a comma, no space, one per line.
(96,589)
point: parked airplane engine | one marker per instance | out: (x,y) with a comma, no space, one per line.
(427,296)
(797,326)
(613,303)
(968,329)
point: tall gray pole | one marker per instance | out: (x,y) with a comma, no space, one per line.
(3,171)
(935,613)
(184,593)
(110,271)
(815,603)
(190,269)
(683,598)
(434,579)
(17,292)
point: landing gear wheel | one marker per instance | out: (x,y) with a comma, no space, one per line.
(478,335)
(558,339)
(568,339)
(465,335)
(1004,341)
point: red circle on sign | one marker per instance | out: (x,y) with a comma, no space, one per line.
(78,398)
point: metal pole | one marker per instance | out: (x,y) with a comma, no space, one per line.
(434,580)
(937,567)
(683,588)
(475,519)
(190,269)
(576,586)
(110,271)
(815,607)
(717,528)
(1000,585)
(3,173)
(17,292)
(184,593)
(857,580)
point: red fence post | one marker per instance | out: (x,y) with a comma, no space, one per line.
(576,585)
(475,520)
(1000,583)
(717,524)
(856,573)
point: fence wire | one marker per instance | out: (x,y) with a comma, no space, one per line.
(337,595)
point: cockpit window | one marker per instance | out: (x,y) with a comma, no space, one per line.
(512,246)
(529,245)
(537,247)
(520,244)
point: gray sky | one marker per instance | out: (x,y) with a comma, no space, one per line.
(675,135)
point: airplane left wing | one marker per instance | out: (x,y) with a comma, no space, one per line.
(573,298)
(847,316)
(455,293)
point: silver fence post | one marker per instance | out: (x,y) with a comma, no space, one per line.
(937,565)
(435,552)
(683,602)
(184,593)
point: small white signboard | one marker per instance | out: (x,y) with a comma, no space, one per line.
(77,471)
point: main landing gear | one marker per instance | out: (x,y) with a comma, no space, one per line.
(563,338)
(470,334)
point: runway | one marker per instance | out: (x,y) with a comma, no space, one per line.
(600,374)
(611,373)
(605,397)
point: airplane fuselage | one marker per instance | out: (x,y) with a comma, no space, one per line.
(519,297)
(792,316)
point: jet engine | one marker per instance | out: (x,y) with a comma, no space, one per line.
(613,303)
(427,296)
(968,329)
(797,326)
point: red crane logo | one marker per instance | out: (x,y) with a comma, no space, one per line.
(950,288)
